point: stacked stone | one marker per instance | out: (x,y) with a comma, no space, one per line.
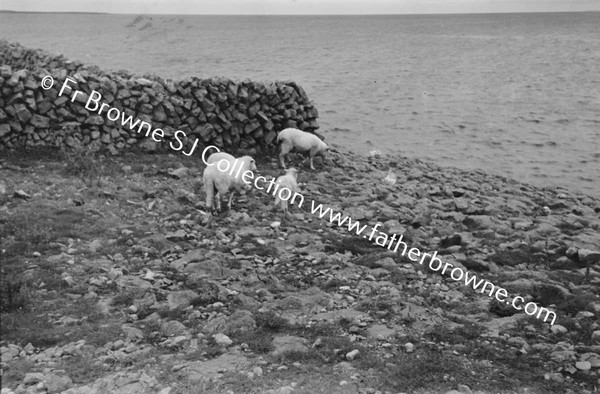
(217,111)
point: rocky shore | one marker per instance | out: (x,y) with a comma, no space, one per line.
(115,280)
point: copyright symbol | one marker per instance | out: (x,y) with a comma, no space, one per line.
(47,82)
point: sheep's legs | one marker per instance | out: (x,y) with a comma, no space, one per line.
(285,150)
(230,200)
(218,195)
(310,158)
(210,197)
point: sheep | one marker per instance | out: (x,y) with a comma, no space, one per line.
(222,173)
(288,181)
(301,141)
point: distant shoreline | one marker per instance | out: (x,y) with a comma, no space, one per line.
(305,15)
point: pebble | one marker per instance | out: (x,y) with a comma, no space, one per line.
(222,340)
(352,354)
(558,329)
(583,365)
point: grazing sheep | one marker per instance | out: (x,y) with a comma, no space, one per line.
(222,173)
(301,141)
(288,181)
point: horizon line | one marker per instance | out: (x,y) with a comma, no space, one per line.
(315,14)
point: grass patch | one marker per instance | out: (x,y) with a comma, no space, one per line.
(83,368)
(35,326)
(90,166)
(259,340)
(577,302)
(15,372)
(23,327)
(380,304)
(467,332)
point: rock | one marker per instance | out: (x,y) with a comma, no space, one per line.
(380,332)
(205,371)
(572,253)
(132,334)
(588,256)
(583,365)
(485,222)
(172,328)
(584,315)
(57,384)
(180,299)
(39,121)
(288,343)
(222,340)
(554,376)
(176,236)
(518,342)
(147,145)
(337,315)
(562,355)
(558,329)
(29,348)
(4,129)
(119,383)
(179,173)
(9,353)
(593,358)
(521,286)
(191,256)
(33,378)
(409,347)
(129,282)
(352,354)
(596,336)
(387,263)
(21,194)
(240,321)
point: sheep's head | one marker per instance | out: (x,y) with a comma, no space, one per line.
(293,172)
(249,163)
(324,149)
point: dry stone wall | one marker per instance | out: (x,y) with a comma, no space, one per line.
(218,111)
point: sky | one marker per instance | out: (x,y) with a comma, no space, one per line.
(266,7)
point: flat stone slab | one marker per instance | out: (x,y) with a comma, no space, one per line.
(350,314)
(380,332)
(203,371)
(288,343)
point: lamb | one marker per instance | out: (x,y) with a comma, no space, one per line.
(301,141)
(288,181)
(222,173)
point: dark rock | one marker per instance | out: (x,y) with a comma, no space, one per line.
(241,321)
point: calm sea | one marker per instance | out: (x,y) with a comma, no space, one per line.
(512,94)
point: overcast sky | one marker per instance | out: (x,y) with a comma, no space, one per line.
(299,6)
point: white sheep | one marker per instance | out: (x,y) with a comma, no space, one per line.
(222,173)
(301,141)
(288,181)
